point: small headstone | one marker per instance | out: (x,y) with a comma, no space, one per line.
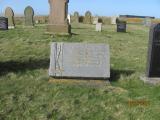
(113,20)
(58,22)
(121,26)
(88,18)
(3,23)
(29,13)
(147,22)
(79,60)
(99,27)
(10,15)
(95,20)
(37,22)
(76,17)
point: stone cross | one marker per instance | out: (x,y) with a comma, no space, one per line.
(29,13)
(58,22)
(10,15)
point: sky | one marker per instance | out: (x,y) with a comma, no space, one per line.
(97,7)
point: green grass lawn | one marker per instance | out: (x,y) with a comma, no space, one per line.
(26,94)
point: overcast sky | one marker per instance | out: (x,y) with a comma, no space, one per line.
(97,7)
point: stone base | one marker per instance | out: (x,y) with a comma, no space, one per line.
(153,81)
(11,27)
(59,29)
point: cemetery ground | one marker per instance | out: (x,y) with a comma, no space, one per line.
(25,92)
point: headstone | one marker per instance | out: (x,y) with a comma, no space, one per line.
(69,18)
(99,27)
(10,15)
(147,22)
(29,13)
(3,23)
(37,22)
(153,69)
(76,17)
(95,20)
(88,18)
(58,22)
(121,26)
(113,20)
(79,60)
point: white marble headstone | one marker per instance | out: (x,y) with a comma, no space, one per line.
(99,27)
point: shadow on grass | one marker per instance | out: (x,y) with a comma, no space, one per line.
(17,66)
(116,74)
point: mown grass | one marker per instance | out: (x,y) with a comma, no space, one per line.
(26,94)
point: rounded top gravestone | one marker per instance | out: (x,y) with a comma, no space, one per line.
(76,14)
(88,13)
(29,13)
(10,15)
(88,17)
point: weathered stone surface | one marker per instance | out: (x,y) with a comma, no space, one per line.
(79,60)
(10,15)
(95,20)
(75,17)
(3,23)
(99,27)
(29,13)
(113,20)
(88,18)
(121,26)
(58,22)
(153,63)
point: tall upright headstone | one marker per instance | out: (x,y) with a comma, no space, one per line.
(58,22)
(76,17)
(29,13)
(99,27)
(88,18)
(153,62)
(121,25)
(153,65)
(10,15)
(95,20)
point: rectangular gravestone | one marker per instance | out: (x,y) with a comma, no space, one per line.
(121,26)
(153,69)
(79,60)
(3,23)
(95,20)
(99,27)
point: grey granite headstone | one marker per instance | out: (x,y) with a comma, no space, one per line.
(29,13)
(99,27)
(79,60)
(121,26)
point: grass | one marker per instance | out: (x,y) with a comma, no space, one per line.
(26,94)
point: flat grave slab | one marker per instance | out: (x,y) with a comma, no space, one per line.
(79,60)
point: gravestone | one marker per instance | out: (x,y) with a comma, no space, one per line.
(95,20)
(3,23)
(121,25)
(113,20)
(147,22)
(99,27)
(29,13)
(10,15)
(79,60)
(153,62)
(76,17)
(88,18)
(58,23)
